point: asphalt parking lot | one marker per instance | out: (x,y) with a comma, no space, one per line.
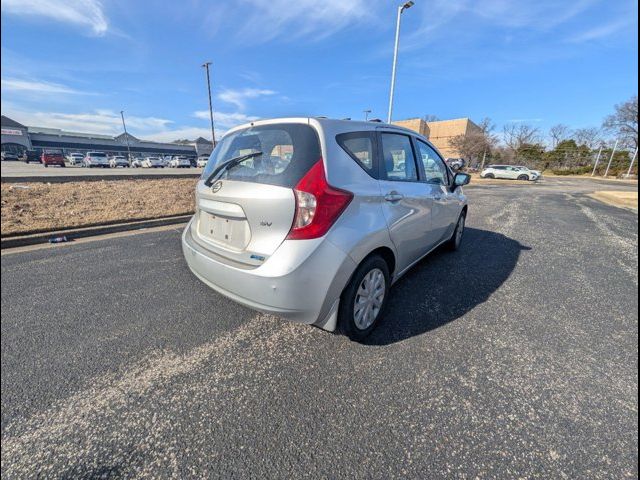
(515,357)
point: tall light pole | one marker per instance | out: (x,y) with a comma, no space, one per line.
(597,161)
(213,133)
(633,160)
(366,114)
(126,135)
(401,9)
(615,147)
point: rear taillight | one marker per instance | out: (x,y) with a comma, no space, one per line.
(318,205)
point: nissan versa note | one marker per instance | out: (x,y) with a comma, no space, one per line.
(314,219)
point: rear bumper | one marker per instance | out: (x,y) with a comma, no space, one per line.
(300,282)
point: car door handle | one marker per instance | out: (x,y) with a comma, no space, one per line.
(393,196)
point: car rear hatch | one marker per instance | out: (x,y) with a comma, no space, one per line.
(248,210)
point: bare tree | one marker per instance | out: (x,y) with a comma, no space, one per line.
(558,133)
(624,122)
(430,118)
(477,143)
(516,135)
(590,137)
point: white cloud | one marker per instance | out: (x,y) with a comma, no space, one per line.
(190,133)
(225,120)
(239,97)
(601,31)
(104,122)
(84,13)
(473,17)
(293,19)
(38,87)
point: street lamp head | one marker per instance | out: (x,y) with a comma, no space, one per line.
(407,5)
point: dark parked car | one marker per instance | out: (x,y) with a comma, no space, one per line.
(52,157)
(30,156)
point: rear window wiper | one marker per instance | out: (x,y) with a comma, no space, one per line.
(229,164)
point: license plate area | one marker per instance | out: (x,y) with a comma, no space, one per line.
(229,232)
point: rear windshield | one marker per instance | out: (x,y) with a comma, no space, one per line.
(289,150)
(97,154)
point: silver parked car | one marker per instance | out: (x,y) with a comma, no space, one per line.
(314,219)
(118,161)
(96,159)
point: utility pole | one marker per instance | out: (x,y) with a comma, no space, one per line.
(597,161)
(213,133)
(484,157)
(366,114)
(611,159)
(401,9)
(126,135)
(633,160)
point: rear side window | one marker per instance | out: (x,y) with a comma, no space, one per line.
(288,151)
(361,147)
(398,161)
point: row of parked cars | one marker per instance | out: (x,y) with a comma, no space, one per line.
(94,159)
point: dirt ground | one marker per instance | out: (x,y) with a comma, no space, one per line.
(37,207)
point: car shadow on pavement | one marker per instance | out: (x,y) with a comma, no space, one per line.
(446,285)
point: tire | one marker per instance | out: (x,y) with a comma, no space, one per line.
(46,166)
(489,175)
(358,327)
(524,178)
(456,238)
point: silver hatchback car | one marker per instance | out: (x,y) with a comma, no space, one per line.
(314,219)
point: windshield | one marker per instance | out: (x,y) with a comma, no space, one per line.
(97,154)
(289,151)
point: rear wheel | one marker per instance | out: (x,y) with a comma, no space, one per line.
(363,300)
(489,175)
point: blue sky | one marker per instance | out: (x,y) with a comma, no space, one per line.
(74,64)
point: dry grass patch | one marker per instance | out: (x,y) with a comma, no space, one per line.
(38,207)
(618,199)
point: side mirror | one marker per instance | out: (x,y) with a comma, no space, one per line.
(461,179)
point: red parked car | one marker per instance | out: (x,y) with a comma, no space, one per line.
(52,157)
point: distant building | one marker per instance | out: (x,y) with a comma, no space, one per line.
(441,132)
(17,137)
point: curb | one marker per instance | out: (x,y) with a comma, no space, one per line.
(93,178)
(73,233)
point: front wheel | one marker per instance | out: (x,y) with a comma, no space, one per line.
(524,178)
(456,239)
(489,175)
(363,300)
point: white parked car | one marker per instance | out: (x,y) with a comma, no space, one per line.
(136,162)
(180,162)
(118,161)
(535,174)
(75,158)
(152,162)
(96,159)
(509,172)
(202,161)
